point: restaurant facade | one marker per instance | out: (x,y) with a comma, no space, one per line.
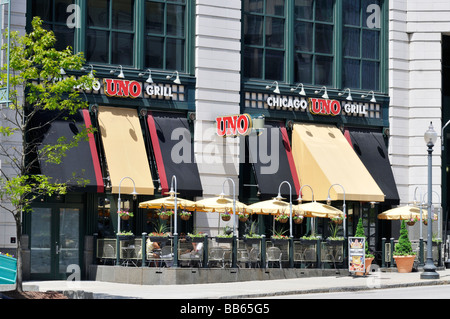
(180,89)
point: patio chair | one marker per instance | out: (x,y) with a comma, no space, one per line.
(243,257)
(273,254)
(167,255)
(255,256)
(216,255)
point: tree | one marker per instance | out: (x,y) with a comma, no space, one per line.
(36,86)
(403,247)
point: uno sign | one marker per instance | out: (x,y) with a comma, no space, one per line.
(133,89)
(234,125)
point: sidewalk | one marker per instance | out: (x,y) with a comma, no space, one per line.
(248,289)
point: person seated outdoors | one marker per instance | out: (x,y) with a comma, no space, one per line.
(194,253)
(153,249)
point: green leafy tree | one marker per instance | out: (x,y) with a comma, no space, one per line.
(360,233)
(403,247)
(36,84)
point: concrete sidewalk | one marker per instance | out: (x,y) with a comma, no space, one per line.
(248,289)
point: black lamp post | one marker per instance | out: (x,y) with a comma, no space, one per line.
(429,268)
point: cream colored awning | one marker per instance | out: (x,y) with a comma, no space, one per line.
(324,157)
(125,150)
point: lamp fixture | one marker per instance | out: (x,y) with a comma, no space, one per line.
(121,75)
(276,90)
(177,79)
(149,79)
(302,91)
(91,73)
(62,71)
(373,99)
(430,135)
(325,94)
(349,96)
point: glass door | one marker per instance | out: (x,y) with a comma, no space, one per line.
(54,241)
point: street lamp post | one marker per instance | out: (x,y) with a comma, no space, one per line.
(299,199)
(175,232)
(429,268)
(134,193)
(343,206)
(291,237)
(234,246)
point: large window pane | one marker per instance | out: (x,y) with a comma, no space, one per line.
(43,9)
(175,20)
(274,65)
(275,7)
(371,78)
(302,36)
(253,58)
(323,70)
(325,10)
(154,53)
(351,43)
(175,54)
(122,48)
(274,33)
(324,38)
(122,15)
(61,14)
(64,37)
(371,44)
(154,17)
(256,6)
(253,28)
(303,68)
(351,73)
(304,9)
(97,46)
(351,10)
(98,13)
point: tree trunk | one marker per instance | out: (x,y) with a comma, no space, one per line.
(18,218)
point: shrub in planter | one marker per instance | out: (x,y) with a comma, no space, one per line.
(403,253)
(360,233)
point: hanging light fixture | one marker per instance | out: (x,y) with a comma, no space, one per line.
(325,94)
(302,91)
(149,79)
(349,96)
(373,99)
(177,79)
(91,73)
(121,75)
(276,90)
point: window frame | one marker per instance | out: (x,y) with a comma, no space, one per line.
(338,51)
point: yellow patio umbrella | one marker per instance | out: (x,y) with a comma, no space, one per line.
(220,204)
(315,209)
(403,213)
(169,203)
(274,206)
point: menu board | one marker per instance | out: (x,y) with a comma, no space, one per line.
(356,254)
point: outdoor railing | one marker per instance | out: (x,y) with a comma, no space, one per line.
(217,252)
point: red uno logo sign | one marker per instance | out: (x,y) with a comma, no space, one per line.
(234,125)
(122,88)
(324,107)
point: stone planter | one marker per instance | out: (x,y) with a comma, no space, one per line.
(404,263)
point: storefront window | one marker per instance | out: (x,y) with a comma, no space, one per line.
(165,34)
(361,45)
(309,41)
(54,15)
(264,39)
(110,31)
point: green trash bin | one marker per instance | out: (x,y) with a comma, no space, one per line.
(8,270)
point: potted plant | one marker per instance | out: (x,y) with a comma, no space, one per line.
(196,237)
(125,235)
(369,257)
(334,239)
(185,215)
(279,237)
(338,220)
(125,215)
(298,219)
(403,253)
(309,240)
(251,237)
(243,217)
(163,214)
(282,218)
(226,216)
(226,236)
(411,221)
(160,233)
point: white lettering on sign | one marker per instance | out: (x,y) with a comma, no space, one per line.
(159,90)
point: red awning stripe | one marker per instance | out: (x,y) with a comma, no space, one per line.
(158,154)
(290,159)
(94,153)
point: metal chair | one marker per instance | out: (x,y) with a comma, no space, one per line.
(255,256)
(243,256)
(167,255)
(273,254)
(216,255)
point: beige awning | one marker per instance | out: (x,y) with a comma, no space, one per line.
(324,157)
(125,152)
